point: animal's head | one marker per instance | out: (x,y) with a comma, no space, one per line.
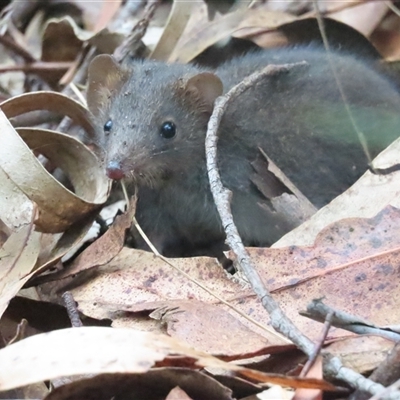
(151,118)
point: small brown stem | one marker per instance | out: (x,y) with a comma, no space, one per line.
(318,347)
(72,311)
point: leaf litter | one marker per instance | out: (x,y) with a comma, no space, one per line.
(346,253)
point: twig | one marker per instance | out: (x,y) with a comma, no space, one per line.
(386,373)
(20,333)
(318,311)
(38,66)
(393,386)
(132,43)
(334,368)
(12,45)
(72,311)
(318,347)
(222,197)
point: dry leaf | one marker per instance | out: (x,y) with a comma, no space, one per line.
(178,18)
(201,34)
(315,372)
(58,207)
(141,386)
(122,351)
(177,394)
(209,328)
(18,258)
(364,17)
(362,353)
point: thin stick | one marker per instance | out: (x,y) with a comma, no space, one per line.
(318,347)
(72,311)
(222,196)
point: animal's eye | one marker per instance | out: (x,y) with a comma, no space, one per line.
(168,130)
(108,125)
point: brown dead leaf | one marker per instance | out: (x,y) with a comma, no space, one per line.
(386,38)
(353,265)
(59,43)
(104,249)
(105,40)
(311,394)
(18,258)
(362,353)
(209,328)
(122,351)
(136,277)
(141,386)
(357,251)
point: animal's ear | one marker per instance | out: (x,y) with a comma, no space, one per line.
(105,78)
(205,87)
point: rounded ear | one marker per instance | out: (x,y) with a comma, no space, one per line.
(206,87)
(105,77)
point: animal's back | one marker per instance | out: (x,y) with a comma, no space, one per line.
(301,121)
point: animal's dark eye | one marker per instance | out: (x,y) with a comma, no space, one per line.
(108,125)
(168,130)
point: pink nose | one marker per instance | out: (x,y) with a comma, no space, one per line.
(114,170)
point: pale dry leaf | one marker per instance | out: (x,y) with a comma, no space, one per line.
(50,101)
(260,20)
(15,207)
(177,21)
(96,15)
(178,394)
(141,386)
(274,393)
(18,257)
(122,351)
(32,36)
(203,34)
(362,353)
(58,207)
(364,17)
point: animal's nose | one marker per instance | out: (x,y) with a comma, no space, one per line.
(114,170)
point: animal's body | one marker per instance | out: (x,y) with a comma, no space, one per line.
(152,120)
